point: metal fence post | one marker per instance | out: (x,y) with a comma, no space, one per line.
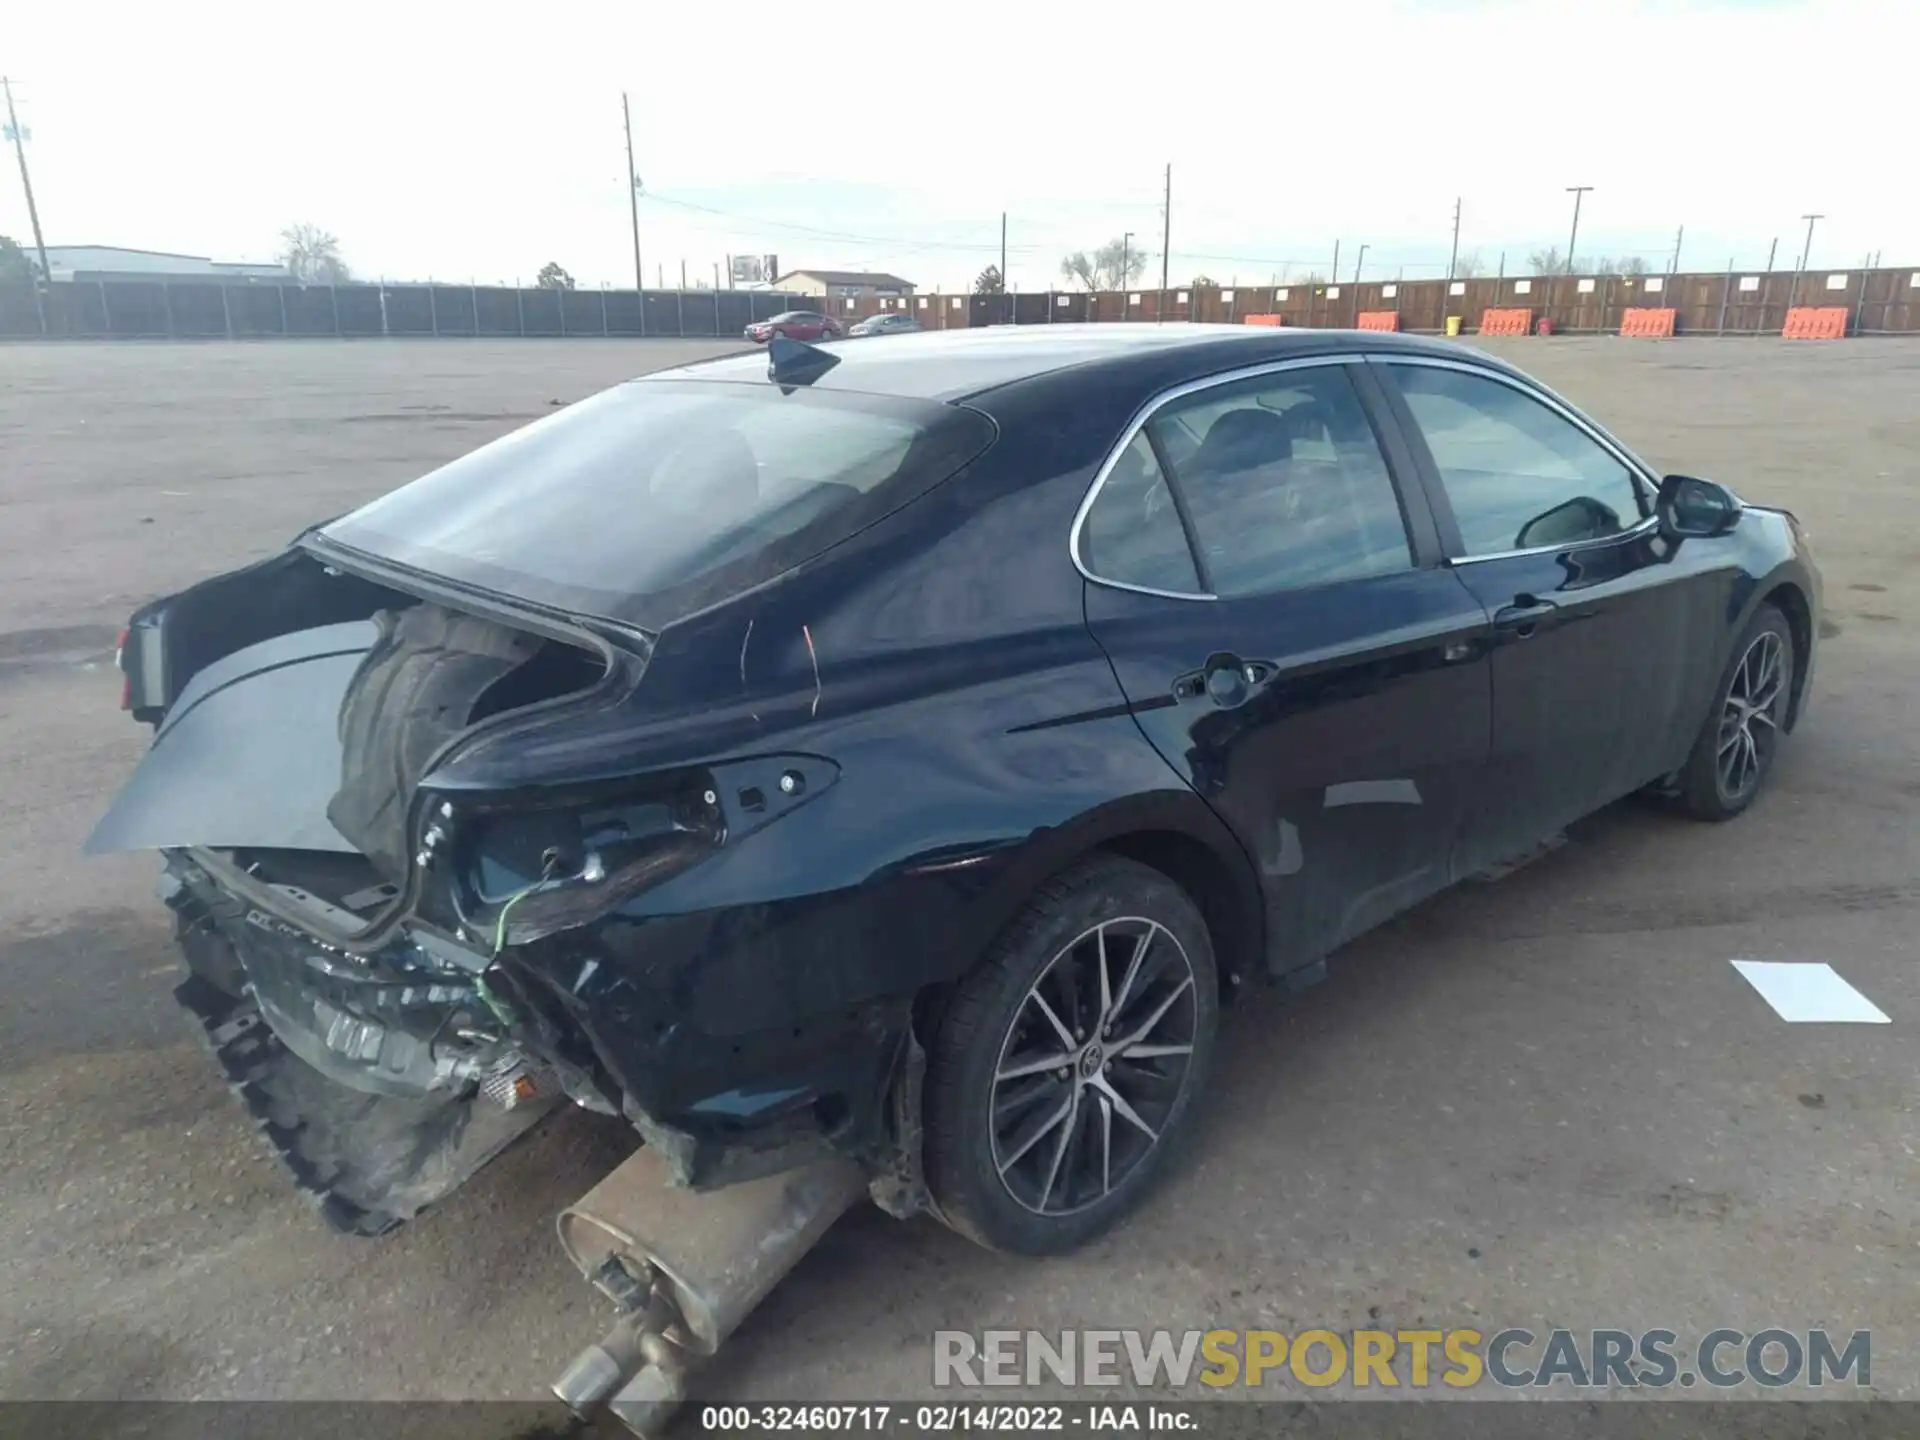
(604,332)
(519,310)
(333,298)
(473,298)
(106,318)
(1726,293)
(166,306)
(433,310)
(283,308)
(226,313)
(680,312)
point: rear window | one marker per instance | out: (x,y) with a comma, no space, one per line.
(657,497)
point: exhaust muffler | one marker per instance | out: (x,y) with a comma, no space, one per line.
(686,1267)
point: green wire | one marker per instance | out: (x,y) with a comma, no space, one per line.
(500,925)
(501,1010)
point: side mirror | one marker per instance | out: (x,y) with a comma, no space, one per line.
(1581,518)
(1692,508)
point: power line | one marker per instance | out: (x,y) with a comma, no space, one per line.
(898,240)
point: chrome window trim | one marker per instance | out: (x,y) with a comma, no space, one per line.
(1646,488)
(1139,422)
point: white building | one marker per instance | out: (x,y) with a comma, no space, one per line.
(114,262)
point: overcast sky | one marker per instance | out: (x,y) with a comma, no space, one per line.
(465,141)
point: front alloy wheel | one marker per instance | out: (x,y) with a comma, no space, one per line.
(1066,1064)
(1749,717)
(1737,745)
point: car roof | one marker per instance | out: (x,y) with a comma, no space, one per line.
(954,365)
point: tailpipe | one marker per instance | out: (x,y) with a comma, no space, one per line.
(686,1268)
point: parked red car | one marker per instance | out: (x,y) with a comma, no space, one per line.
(796,325)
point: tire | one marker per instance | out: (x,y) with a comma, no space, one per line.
(1739,738)
(1042,1180)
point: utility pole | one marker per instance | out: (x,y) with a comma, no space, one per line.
(1771,249)
(1357,264)
(19,138)
(1793,295)
(1674,267)
(1166,240)
(1126,262)
(1335,272)
(633,209)
(1453,256)
(1806,255)
(1003,252)
(1573,238)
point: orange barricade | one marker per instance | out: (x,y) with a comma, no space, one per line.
(1263,319)
(1506,322)
(1647,324)
(1816,322)
(1379,319)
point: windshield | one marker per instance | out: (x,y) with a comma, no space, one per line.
(655,498)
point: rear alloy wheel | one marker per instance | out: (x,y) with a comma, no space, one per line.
(1066,1066)
(1736,747)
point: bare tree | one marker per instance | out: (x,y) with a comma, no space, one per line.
(1548,261)
(1114,266)
(313,255)
(1468,266)
(988,282)
(15,267)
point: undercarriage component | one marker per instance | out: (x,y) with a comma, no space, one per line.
(701,1262)
(368,1162)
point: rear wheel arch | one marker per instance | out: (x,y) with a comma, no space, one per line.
(1194,850)
(1230,904)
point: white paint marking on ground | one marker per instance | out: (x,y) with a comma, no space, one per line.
(1804,994)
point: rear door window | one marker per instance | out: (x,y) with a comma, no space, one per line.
(1133,534)
(1284,482)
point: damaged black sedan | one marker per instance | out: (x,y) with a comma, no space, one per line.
(892,756)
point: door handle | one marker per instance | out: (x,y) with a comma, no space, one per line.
(1524,615)
(1225,679)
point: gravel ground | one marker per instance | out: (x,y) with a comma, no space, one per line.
(1545,1101)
